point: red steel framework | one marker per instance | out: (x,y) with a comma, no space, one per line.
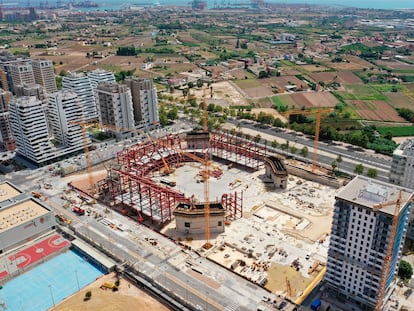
(242,150)
(129,183)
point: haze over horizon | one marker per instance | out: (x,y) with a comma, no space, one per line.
(368,4)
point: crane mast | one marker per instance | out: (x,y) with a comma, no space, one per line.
(388,256)
(207,245)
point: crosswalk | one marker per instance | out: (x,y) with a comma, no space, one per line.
(233,307)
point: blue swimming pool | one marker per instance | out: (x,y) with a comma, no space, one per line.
(49,283)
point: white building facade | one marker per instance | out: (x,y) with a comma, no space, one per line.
(402,167)
(99,75)
(81,85)
(44,74)
(145,102)
(64,112)
(21,74)
(360,239)
(115,109)
(30,129)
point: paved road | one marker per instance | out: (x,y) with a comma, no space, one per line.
(327,152)
(211,287)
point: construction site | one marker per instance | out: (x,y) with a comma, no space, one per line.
(230,200)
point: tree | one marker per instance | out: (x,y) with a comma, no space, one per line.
(173,114)
(293,149)
(274,144)
(257,138)
(359,169)
(405,270)
(339,160)
(304,152)
(334,165)
(88,295)
(372,172)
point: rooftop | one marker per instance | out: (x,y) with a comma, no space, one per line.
(368,192)
(8,191)
(405,148)
(22,212)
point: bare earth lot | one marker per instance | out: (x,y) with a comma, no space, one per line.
(376,110)
(128,297)
(343,77)
(400,100)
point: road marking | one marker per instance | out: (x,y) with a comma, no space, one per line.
(193,291)
(233,307)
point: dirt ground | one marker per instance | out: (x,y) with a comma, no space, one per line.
(225,93)
(128,297)
(270,111)
(82,181)
(280,276)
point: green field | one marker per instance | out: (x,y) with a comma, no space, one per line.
(283,101)
(397,131)
(248,83)
(383,88)
(364,92)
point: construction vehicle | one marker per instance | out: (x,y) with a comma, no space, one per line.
(317,114)
(167,182)
(62,219)
(37,195)
(78,210)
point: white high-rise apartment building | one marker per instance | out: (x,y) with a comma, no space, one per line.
(81,85)
(145,102)
(402,173)
(64,112)
(21,74)
(361,238)
(30,129)
(6,136)
(44,74)
(99,75)
(115,108)
(402,167)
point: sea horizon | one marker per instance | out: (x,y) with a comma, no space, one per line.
(369,4)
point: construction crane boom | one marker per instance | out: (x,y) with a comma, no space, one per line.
(317,114)
(391,245)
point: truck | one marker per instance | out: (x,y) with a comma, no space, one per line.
(78,210)
(316,304)
(37,195)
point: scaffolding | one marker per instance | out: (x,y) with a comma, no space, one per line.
(233,204)
(131,189)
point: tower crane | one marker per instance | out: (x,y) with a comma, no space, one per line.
(317,114)
(206,177)
(85,125)
(390,248)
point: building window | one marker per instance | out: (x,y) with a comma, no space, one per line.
(219,223)
(187,224)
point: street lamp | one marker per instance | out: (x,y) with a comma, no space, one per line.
(51,294)
(77,280)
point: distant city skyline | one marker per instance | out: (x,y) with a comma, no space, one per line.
(114,4)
